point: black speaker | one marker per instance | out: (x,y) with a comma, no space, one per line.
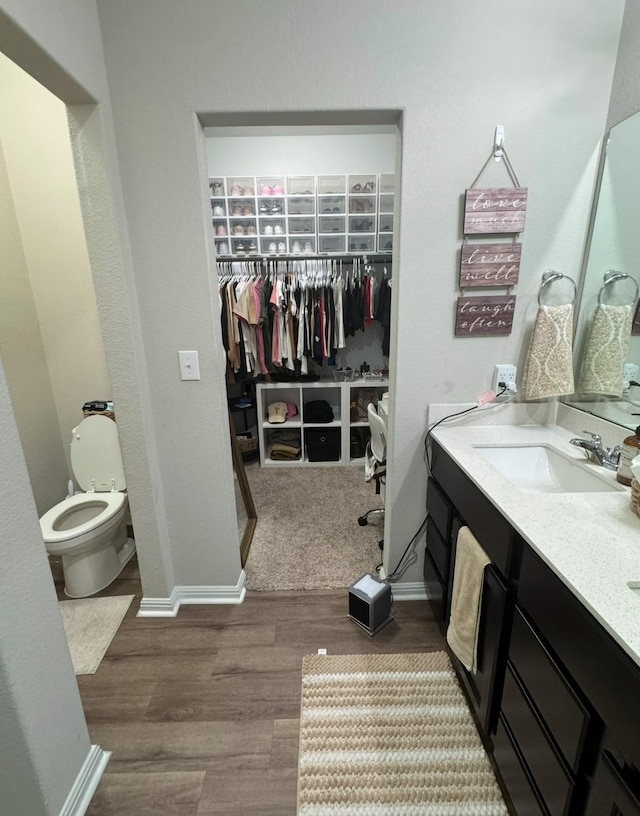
(370,603)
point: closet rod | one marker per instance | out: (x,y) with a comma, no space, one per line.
(377,257)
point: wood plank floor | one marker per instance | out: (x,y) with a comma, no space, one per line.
(201,711)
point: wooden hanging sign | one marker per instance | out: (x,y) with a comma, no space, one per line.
(498,209)
(484,316)
(490,264)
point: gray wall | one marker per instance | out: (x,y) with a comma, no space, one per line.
(455,71)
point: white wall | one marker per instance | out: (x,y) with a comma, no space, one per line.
(25,362)
(454,70)
(35,136)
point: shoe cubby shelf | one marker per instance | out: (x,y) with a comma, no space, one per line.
(298,215)
(348,425)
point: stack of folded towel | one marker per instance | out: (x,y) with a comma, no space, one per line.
(285,445)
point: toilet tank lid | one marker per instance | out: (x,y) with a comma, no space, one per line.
(95,455)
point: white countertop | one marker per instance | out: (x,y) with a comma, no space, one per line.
(590,540)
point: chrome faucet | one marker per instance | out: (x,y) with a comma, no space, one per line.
(607,457)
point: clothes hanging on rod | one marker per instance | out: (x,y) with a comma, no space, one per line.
(285,314)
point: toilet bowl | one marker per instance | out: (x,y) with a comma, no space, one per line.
(89,530)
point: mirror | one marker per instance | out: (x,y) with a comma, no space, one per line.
(612,249)
(247,516)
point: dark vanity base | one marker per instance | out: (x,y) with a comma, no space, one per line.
(557,701)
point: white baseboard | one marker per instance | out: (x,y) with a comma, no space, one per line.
(168,607)
(411,591)
(86,782)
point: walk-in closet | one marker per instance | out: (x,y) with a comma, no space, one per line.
(303,222)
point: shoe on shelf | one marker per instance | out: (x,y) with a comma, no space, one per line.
(276,208)
(248,210)
(268,230)
(247,191)
(264,207)
(221,230)
(238,229)
(272,247)
(357,188)
(296,247)
(216,188)
(278,229)
(252,247)
(251,230)
(236,190)
(282,247)
(277,190)
(307,247)
(236,210)
(218,210)
(223,249)
(240,249)
(369,187)
(265,191)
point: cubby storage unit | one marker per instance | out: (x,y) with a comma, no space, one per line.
(347,433)
(301,215)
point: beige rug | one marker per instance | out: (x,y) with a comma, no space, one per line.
(307,535)
(90,625)
(390,735)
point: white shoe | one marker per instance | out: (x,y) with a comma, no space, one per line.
(223,249)
(272,247)
(218,210)
(268,230)
(296,246)
(282,247)
(308,247)
(278,229)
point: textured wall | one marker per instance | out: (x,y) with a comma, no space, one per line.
(455,71)
(35,137)
(25,362)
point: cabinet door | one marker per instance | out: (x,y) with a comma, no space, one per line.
(611,795)
(483,685)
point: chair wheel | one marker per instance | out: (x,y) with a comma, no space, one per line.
(363,521)
(381,544)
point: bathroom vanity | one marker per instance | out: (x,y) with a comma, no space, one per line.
(557,690)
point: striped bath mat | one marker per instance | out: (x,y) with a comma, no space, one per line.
(390,735)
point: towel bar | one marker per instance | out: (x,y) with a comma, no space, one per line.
(611,276)
(549,277)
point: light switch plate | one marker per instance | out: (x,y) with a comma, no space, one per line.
(189,365)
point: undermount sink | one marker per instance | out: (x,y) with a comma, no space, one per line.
(543,469)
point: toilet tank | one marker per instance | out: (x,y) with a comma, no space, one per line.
(95,455)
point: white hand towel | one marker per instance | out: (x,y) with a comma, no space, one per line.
(606,351)
(466,598)
(549,365)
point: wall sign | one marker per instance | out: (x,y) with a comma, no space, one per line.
(495,209)
(490,264)
(484,316)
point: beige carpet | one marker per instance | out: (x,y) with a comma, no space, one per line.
(390,735)
(307,535)
(90,625)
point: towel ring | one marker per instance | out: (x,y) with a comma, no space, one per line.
(549,277)
(611,276)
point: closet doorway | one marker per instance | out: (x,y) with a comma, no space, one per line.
(303,224)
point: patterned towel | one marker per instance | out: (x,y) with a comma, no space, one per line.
(606,351)
(549,365)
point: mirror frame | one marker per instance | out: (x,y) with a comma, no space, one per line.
(247,498)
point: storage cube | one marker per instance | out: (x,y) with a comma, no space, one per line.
(332,243)
(327,223)
(301,185)
(331,204)
(362,184)
(322,444)
(332,185)
(301,206)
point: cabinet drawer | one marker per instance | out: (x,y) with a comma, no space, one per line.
(545,768)
(557,703)
(439,551)
(610,793)
(439,509)
(514,775)
(605,674)
(491,529)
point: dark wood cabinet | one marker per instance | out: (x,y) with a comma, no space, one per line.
(611,793)
(555,696)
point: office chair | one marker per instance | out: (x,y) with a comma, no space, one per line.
(377,452)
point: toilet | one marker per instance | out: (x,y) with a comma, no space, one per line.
(89,530)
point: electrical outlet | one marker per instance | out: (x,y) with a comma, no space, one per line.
(630,372)
(504,374)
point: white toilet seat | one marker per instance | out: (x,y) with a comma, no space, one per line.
(113,502)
